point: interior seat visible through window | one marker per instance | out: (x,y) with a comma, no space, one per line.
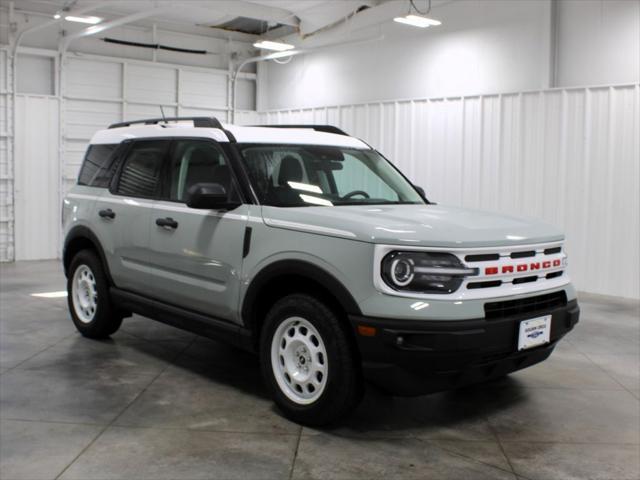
(197,161)
(290,170)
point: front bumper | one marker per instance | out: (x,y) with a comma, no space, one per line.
(416,357)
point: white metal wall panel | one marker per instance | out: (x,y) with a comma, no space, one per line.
(84,117)
(6,170)
(37,179)
(151,84)
(203,112)
(570,157)
(96,91)
(203,89)
(136,111)
(249,117)
(93,79)
(100,91)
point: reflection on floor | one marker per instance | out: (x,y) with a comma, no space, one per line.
(156,402)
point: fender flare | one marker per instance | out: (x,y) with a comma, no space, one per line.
(83,232)
(298,268)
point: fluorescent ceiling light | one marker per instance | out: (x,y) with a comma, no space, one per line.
(417,21)
(269,45)
(288,53)
(56,16)
(59,294)
(89,20)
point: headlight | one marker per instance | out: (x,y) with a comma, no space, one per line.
(424,272)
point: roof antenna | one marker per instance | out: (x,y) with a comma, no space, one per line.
(164,119)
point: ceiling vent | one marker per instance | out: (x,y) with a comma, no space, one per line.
(253,26)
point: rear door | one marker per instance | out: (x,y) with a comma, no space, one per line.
(196,255)
(124,212)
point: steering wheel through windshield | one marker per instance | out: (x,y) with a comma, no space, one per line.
(354,193)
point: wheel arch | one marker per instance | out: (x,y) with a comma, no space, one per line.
(81,238)
(288,276)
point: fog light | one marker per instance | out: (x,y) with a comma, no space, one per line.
(366,331)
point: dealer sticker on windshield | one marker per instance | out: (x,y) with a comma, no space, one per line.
(534,332)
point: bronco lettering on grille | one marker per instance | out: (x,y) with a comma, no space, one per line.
(523,267)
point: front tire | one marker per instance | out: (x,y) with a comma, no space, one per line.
(308,362)
(88,297)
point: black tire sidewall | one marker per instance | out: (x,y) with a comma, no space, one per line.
(105,321)
(343,383)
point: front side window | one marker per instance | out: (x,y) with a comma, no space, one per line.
(305,175)
(198,161)
(140,175)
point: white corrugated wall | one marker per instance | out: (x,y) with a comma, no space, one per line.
(568,156)
(95,91)
(6,172)
(98,91)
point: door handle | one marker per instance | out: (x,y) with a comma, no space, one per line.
(167,222)
(108,213)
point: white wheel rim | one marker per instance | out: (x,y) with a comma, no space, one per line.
(299,360)
(84,294)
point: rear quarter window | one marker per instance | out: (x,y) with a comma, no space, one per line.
(97,166)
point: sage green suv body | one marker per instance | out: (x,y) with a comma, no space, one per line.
(305,245)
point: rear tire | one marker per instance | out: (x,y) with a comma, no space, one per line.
(307,361)
(88,297)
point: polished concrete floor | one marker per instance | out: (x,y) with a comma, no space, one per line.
(154,402)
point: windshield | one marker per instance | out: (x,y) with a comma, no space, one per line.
(311,175)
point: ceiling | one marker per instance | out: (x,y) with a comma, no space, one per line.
(268,18)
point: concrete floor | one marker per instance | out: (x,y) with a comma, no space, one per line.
(156,402)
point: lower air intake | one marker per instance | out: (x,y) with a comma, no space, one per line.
(527,305)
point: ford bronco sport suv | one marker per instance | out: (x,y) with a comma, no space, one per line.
(305,245)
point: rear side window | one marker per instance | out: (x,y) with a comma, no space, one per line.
(96,169)
(140,175)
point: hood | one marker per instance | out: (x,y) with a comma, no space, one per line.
(418,225)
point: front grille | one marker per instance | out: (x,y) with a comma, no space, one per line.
(506,267)
(519,280)
(484,257)
(530,253)
(489,284)
(525,306)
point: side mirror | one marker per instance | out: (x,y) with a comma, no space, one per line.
(420,190)
(208,196)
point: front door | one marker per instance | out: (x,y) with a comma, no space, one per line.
(196,255)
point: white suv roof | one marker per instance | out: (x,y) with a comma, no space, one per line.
(187,128)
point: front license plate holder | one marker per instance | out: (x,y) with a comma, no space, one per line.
(534,332)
